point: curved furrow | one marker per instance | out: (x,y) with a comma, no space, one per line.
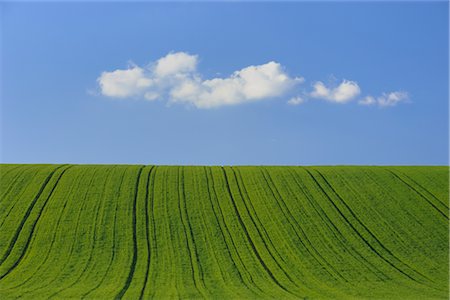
(148,219)
(8,184)
(13,182)
(169,214)
(297,229)
(16,197)
(261,230)
(224,233)
(229,240)
(196,269)
(423,279)
(222,237)
(48,251)
(165,283)
(143,255)
(249,239)
(72,244)
(114,241)
(218,270)
(378,242)
(135,248)
(98,207)
(33,227)
(154,241)
(444,202)
(336,235)
(198,215)
(25,217)
(441,212)
(5,175)
(284,237)
(9,169)
(365,259)
(433,179)
(400,227)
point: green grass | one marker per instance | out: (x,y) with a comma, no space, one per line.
(103,232)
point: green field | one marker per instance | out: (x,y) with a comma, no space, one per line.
(79,231)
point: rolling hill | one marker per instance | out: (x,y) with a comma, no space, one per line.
(138,232)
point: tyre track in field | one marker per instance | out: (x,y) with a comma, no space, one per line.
(233,242)
(150,182)
(94,236)
(17,198)
(3,174)
(343,243)
(27,214)
(373,235)
(302,237)
(30,236)
(75,234)
(12,184)
(419,193)
(197,274)
(168,232)
(404,175)
(262,232)
(56,227)
(247,234)
(224,230)
(423,277)
(135,246)
(113,240)
(205,226)
(259,226)
(388,225)
(209,245)
(152,219)
(373,211)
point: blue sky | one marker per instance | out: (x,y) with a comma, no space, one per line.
(82,83)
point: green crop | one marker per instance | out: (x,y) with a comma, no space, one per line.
(138,232)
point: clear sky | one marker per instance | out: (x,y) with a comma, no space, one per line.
(225,83)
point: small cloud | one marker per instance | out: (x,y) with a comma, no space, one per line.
(296,100)
(175,63)
(386,99)
(393,98)
(124,83)
(368,100)
(343,93)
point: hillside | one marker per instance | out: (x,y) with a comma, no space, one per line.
(78,231)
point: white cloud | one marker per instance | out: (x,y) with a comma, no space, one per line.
(386,99)
(175,63)
(393,98)
(296,100)
(174,78)
(368,100)
(250,84)
(343,93)
(124,83)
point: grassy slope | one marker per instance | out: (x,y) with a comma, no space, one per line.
(233,232)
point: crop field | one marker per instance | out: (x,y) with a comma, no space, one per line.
(139,232)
